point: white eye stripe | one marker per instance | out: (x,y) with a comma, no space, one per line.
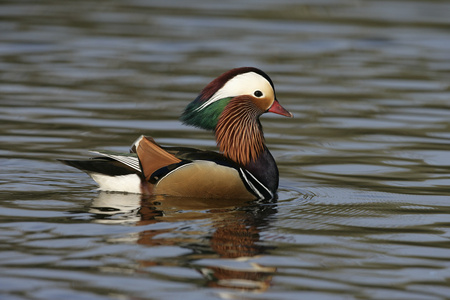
(242,84)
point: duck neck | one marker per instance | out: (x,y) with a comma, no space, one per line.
(240,137)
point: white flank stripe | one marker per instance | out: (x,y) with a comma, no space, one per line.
(243,172)
(268,191)
(260,196)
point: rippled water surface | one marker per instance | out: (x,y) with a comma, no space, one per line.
(364,201)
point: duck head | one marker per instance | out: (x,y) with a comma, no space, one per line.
(231,106)
(255,85)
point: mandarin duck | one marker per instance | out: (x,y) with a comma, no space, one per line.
(230,106)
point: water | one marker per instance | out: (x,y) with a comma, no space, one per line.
(363,206)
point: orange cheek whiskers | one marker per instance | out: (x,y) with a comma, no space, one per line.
(238,132)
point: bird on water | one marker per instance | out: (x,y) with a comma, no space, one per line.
(230,106)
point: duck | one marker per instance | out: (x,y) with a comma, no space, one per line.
(230,106)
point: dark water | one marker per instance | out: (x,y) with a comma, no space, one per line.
(363,209)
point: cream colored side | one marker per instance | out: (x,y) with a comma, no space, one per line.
(203,179)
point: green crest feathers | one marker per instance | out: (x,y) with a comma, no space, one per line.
(205,118)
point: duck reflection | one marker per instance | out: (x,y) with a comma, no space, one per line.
(225,233)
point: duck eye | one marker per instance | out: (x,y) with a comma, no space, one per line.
(258,93)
